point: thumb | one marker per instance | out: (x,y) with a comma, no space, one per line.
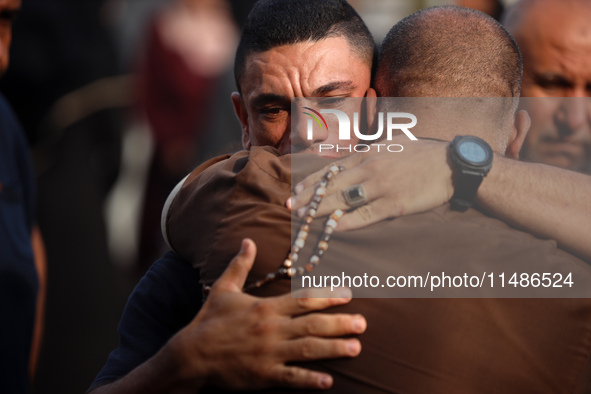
(234,277)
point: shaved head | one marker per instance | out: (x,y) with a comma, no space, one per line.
(454,52)
(449,51)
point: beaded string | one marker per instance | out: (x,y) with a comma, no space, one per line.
(287,270)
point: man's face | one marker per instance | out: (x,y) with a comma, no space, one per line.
(8,10)
(555,40)
(326,68)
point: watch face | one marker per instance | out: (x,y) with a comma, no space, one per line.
(473,152)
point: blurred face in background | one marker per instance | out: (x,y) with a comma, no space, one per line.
(8,10)
(555,39)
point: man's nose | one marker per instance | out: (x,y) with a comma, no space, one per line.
(573,115)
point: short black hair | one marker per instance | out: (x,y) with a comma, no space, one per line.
(449,51)
(273,23)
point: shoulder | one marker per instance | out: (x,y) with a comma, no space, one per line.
(259,162)
(220,189)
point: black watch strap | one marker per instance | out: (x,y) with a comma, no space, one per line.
(465,188)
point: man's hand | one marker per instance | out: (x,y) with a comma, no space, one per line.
(239,341)
(414,180)
(419,178)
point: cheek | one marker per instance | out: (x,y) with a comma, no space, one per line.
(268,133)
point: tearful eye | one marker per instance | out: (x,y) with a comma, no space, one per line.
(273,113)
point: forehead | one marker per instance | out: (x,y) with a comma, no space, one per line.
(298,70)
(557,36)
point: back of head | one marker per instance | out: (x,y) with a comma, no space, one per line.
(449,52)
(273,23)
(454,52)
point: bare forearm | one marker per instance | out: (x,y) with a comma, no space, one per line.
(547,201)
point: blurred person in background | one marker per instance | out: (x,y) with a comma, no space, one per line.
(555,39)
(63,85)
(22,257)
(183,82)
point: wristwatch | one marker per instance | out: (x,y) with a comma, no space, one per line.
(471,159)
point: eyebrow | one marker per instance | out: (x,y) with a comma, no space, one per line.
(347,86)
(555,79)
(268,98)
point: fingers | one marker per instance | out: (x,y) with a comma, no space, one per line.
(235,275)
(312,179)
(303,301)
(334,198)
(296,377)
(310,348)
(326,325)
(371,213)
(347,162)
(371,173)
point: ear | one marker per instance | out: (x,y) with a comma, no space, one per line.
(371,107)
(520,128)
(242,115)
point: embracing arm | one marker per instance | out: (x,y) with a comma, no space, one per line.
(239,341)
(546,201)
